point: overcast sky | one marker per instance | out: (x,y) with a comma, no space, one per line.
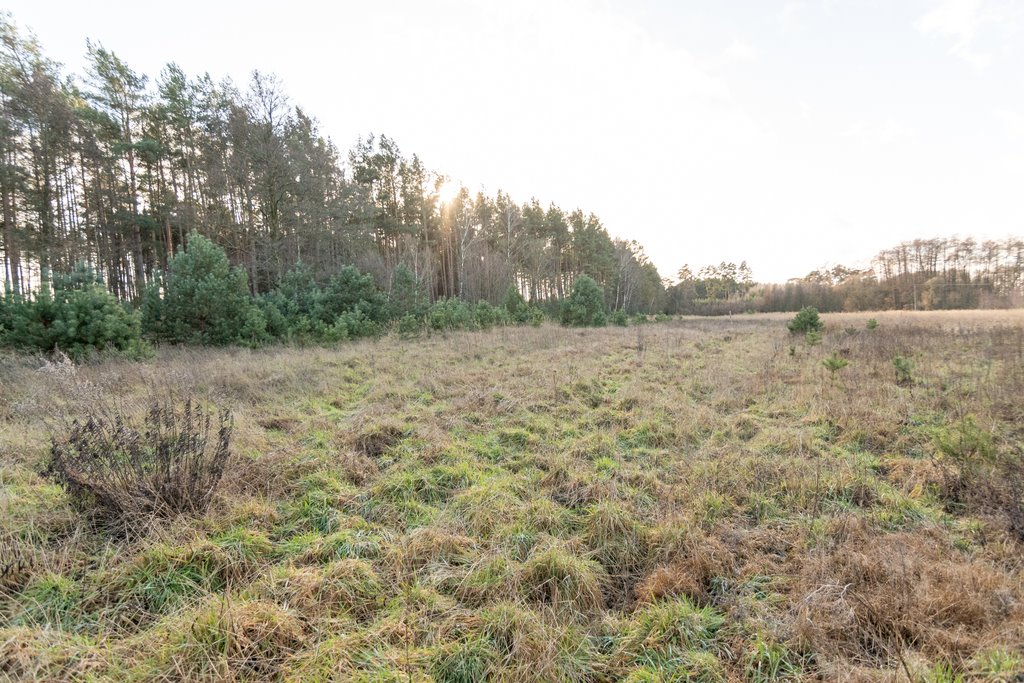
(791,134)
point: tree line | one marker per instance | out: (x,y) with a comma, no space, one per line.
(202,299)
(116,170)
(922,274)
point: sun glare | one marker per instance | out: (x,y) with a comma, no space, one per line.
(448,191)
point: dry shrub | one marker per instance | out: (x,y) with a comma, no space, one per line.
(870,598)
(169,465)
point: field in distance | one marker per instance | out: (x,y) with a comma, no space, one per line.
(707,499)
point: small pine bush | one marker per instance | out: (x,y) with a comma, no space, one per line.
(966,444)
(519,312)
(620,318)
(409,327)
(515,304)
(835,363)
(408,294)
(298,294)
(585,305)
(7,308)
(903,367)
(202,299)
(451,314)
(355,324)
(77,315)
(486,316)
(351,290)
(807,320)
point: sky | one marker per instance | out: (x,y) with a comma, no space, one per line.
(792,134)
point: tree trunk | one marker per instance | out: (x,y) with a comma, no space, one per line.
(12,258)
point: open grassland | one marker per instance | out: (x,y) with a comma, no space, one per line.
(695,500)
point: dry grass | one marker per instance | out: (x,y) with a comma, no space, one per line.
(695,500)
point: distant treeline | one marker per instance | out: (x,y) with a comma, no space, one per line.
(931,274)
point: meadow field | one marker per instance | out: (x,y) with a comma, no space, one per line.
(694,500)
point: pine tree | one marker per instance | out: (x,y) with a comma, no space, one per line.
(350,290)
(202,299)
(408,296)
(120,94)
(77,316)
(807,320)
(585,306)
(299,293)
(515,304)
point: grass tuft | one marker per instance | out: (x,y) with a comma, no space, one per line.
(554,577)
(223,639)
